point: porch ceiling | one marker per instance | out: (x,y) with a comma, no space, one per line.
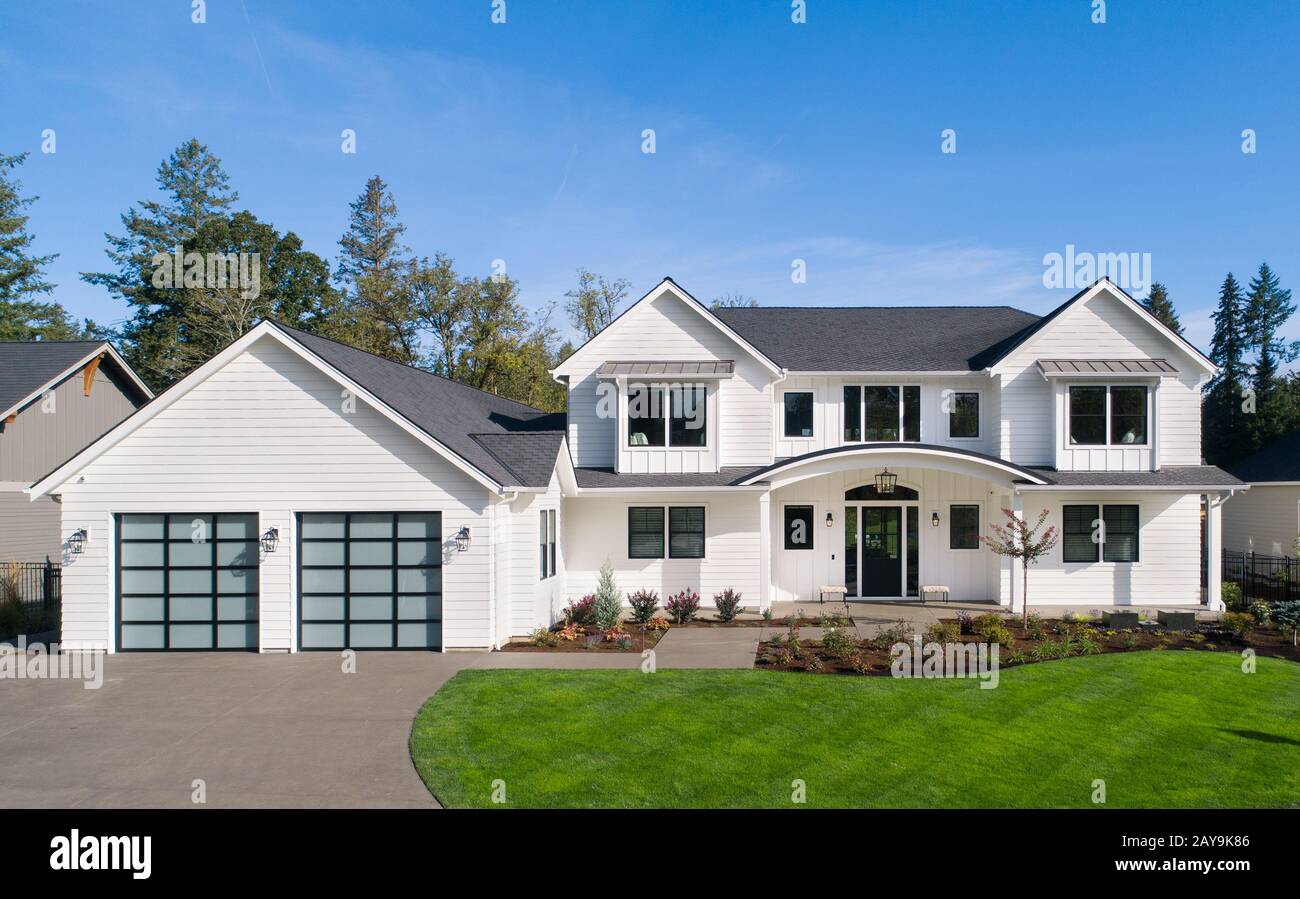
(898,455)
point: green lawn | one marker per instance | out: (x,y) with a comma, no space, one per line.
(1163,729)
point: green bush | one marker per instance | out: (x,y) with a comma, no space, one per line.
(1231,595)
(1239,623)
(1262,611)
(943,632)
(1035,628)
(996,633)
(987,620)
(727,603)
(838,642)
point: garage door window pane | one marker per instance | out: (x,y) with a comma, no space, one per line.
(422,525)
(142,554)
(141,527)
(237,527)
(236,636)
(419,636)
(318,526)
(367,553)
(184,580)
(322,636)
(142,581)
(237,580)
(142,636)
(418,553)
(372,607)
(369,525)
(419,607)
(191,608)
(237,553)
(328,608)
(191,554)
(371,636)
(419,580)
(142,608)
(237,608)
(363,580)
(194,528)
(190,636)
(322,580)
(322,553)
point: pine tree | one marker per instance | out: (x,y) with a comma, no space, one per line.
(1223,430)
(1159,305)
(373,273)
(1267,310)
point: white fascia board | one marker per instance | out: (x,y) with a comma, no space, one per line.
(146,413)
(105,348)
(610,491)
(877,375)
(668,286)
(1106,287)
(1128,488)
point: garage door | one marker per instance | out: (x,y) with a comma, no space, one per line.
(187,581)
(370,580)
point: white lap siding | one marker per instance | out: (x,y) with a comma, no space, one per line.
(534,602)
(1168,570)
(1265,519)
(595,529)
(268,434)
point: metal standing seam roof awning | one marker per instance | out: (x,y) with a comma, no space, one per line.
(669,369)
(1057,368)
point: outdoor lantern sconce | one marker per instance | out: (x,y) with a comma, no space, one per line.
(270,540)
(934,518)
(886,481)
(830,520)
(462,539)
(77,542)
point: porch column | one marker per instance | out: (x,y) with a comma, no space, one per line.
(1214,552)
(1017,565)
(764,551)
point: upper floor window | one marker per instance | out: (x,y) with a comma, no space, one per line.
(798,413)
(1108,416)
(963,415)
(667,416)
(889,414)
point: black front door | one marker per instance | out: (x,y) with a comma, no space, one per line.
(882,568)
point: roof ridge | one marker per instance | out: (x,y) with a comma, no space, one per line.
(752,309)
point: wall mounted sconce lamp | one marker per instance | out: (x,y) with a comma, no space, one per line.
(270,540)
(462,539)
(830,520)
(934,518)
(77,541)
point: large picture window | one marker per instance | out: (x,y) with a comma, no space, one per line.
(667,416)
(370,580)
(688,424)
(646,410)
(187,581)
(1108,416)
(882,413)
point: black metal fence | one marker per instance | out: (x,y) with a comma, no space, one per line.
(1270,578)
(31,595)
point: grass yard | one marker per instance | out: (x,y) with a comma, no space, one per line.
(1163,729)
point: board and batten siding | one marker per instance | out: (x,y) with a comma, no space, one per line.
(1264,519)
(268,433)
(595,530)
(665,329)
(1034,423)
(29,531)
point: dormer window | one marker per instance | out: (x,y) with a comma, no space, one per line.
(667,415)
(1108,416)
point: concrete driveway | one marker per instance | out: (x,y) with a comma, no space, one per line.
(259,730)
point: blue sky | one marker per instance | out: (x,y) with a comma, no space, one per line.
(774,141)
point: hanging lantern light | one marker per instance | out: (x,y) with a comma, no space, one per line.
(885,482)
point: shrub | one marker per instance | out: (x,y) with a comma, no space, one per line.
(767,614)
(543,637)
(581,611)
(1196,638)
(570,632)
(966,622)
(888,636)
(1261,610)
(1239,623)
(1230,593)
(644,603)
(1130,642)
(1015,657)
(615,635)
(988,620)
(609,602)
(1089,646)
(727,603)
(838,643)
(943,632)
(1287,614)
(996,633)
(1034,627)
(682,607)
(860,663)
(1044,651)
(658,623)
(812,663)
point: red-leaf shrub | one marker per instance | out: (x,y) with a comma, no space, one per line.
(581,611)
(683,606)
(727,603)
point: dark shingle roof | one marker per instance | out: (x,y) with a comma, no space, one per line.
(26,366)
(507,441)
(886,338)
(606,477)
(1279,461)
(1168,476)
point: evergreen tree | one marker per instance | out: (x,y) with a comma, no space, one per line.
(373,273)
(1267,310)
(1223,430)
(195,190)
(1159,305)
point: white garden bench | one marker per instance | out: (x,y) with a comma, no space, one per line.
(934,588)
(840,590)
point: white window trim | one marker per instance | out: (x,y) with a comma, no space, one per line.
(979,416)
(1150,417)
(1101,547)
(813,393)
(862,411)
(666,557)
(710,413)
(979,526)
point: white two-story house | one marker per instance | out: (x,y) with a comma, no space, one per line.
(297,494)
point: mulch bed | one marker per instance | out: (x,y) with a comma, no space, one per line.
(593,642)
(872,656)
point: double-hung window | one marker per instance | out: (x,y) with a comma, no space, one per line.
(882,413)
(667,415)
(1108,416)
(1091,533)
(677,529)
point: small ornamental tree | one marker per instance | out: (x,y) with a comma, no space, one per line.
(1018,540)
(609,602)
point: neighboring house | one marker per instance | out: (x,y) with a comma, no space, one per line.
(770,450)
(55,398)
(1267,519)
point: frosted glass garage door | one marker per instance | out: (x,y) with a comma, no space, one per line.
(370,580)
(187,581)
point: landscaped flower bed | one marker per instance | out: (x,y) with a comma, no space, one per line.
(841,651)
(591,638)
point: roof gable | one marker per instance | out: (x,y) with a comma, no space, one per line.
(29,368)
